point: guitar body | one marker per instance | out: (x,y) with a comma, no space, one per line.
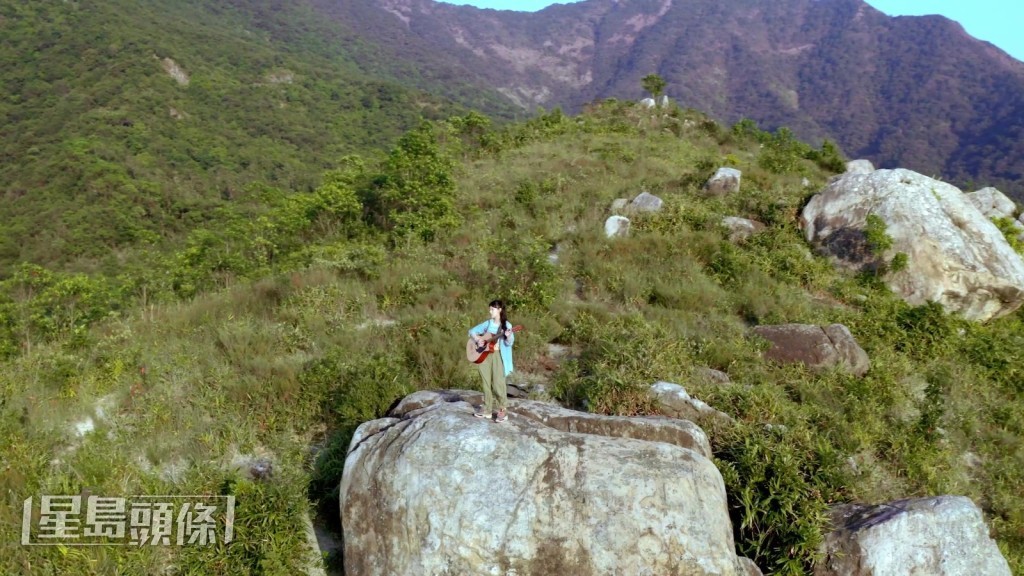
(477,354)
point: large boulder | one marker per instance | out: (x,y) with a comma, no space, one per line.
(940,536)
(993,203)
(432,490)
(956,256)
(817,347)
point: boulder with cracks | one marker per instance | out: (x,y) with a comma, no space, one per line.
(432,490)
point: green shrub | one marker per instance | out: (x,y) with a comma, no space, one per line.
(877,237)
(780,485)
(1011,232)
(38,305)
(355,390)
(327,472)
(926,330)
(828,157)
(269,530)
(997,349)
(933,408)
(415,192)
(782,152)
(879,242)
(619,362)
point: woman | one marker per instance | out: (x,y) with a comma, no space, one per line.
(495,367)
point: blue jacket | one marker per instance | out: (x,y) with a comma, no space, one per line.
(505,349)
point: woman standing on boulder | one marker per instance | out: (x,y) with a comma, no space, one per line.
(495,367)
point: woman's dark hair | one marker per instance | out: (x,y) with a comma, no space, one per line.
(504,318)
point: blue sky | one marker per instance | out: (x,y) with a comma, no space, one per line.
(1000,22)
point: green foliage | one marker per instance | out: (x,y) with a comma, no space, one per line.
(332,210)
(899,262)
(358,391)
(997,349)
(782,152)
(828,157)
(544,125)
(746,128)
(415,194)
(37,305)
(518,266)
(1012,233)
(268,530)
(878,239)
(621,360)
(879,242)
(472,129)
(654,84)
(781,484)
(934,406)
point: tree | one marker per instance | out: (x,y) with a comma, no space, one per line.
(415,194)
(654,84)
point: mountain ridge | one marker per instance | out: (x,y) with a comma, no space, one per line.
(916,92)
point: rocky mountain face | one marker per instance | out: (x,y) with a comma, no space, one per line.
(914,92)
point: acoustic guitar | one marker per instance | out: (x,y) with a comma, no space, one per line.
(477,354)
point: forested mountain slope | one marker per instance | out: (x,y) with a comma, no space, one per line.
(125,124)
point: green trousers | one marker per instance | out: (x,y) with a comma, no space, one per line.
(492,370)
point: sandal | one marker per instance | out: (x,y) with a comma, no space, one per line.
(502,416)
(481,413)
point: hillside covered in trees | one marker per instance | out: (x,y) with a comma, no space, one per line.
(125,125)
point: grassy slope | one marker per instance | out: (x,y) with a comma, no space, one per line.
(294,359)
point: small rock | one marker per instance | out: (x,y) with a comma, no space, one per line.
(84,427)
(646,202)
(711,375)
(616,226)
(740,228)
(725,181)
(860,167)
(261,469)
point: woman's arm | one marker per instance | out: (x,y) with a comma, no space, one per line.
(478,330)
(511,339)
